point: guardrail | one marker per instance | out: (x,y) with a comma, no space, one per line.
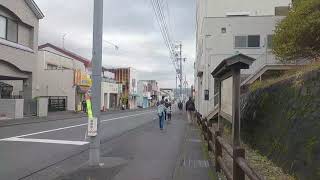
(217,144)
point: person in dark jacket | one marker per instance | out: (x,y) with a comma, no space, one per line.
(84,106)
(190,108)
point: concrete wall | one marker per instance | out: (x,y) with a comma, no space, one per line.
(57,83)
(12,108)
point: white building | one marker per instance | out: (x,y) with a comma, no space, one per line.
(227,27)
(109,91)
(56,79)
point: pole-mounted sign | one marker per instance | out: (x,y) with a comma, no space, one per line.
(92,127)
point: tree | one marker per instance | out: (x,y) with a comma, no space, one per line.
(298,35)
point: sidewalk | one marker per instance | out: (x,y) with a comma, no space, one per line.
(194,160)
(55,116)
(147,153)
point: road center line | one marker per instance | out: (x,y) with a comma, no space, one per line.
(69,127)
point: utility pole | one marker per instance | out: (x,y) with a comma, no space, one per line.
(180,58)
(175,93)
(94,147)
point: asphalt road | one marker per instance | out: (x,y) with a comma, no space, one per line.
(29,148)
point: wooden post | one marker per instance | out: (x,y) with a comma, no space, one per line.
(204,129)
(218,151)
(220,127)
(209,135)
(238,173)
(236,107)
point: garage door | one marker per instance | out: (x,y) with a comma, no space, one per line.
(57,103)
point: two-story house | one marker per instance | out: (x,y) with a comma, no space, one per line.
(228,27)
(19,26)
(61,76)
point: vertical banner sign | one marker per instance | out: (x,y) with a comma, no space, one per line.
(92,126)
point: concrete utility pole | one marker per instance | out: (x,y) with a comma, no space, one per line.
(180,58)
(94,153)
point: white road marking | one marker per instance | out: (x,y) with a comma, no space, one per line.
(48,141)
(69,127)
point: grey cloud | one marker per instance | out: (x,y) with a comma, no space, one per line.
(131,25)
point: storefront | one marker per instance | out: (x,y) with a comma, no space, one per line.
(83,83)
(109,95)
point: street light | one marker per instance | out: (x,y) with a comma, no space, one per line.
(115,46)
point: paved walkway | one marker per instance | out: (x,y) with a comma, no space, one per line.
(150,154)
(194,161)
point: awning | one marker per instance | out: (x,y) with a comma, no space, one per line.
(82,89)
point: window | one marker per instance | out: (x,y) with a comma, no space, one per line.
(250,41)
(282,10)
(3,27)
(254,41)
(240,42)
(12,31)
(223,30)
(8,29)
(206,95)
(52,67)
(269,41)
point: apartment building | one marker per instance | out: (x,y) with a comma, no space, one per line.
(19,26)
(229,27)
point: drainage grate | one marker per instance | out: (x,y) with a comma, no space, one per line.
(188,163)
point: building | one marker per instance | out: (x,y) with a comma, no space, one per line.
(110,93)
(19,26)
(148,92)
(61,76)
(228,27)
(167,92)
(127,77)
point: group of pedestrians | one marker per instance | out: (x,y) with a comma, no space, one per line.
(164,110)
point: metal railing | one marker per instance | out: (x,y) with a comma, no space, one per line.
(217,145)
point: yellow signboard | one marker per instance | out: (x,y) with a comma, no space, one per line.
(82,78)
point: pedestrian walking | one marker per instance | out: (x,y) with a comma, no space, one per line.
(166,104)
(160,111)
(190,108)
(180,105)
(84,106)
(169,112)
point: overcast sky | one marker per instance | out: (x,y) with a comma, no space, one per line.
(130,24)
